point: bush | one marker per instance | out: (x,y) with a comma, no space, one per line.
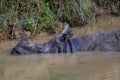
(75,12)
(47,19)
(113,6)
(46,14)
(32,14)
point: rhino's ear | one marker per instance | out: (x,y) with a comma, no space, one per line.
(25,37)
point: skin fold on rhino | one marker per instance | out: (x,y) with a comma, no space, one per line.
(107,40)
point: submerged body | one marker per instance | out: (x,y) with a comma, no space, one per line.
(108,40)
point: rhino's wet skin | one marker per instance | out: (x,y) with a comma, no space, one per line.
(108,40)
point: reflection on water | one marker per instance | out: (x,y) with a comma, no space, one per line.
(79,66)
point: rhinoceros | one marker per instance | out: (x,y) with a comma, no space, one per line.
(104,41)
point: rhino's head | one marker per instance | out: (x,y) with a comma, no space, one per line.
(25,46)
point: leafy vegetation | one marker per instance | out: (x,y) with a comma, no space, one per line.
(31,14)
(46,14)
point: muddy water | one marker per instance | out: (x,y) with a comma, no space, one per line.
(79,66)
(84,66)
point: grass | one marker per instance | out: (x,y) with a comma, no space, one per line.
(75,12)
(38,15)
(32,14)
(41,14)
(113,6)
